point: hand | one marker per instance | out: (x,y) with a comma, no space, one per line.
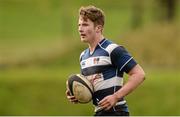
(70,97)
(108,102)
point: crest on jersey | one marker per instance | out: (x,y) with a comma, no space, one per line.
(96,60)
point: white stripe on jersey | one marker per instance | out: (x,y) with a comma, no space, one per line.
(92,61)
(103,84)
(99,108)
(111,47)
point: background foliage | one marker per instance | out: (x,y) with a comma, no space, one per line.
(40,47)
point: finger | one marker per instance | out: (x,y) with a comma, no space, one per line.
(105,105)
(103,102)
(67,92)
(70,97)
(108,107)
(74,99)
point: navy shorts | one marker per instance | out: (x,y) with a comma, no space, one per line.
(118,111)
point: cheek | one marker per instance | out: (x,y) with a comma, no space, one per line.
(90,32)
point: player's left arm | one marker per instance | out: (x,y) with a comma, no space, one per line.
(136,77)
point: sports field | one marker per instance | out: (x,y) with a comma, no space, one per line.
(41,91)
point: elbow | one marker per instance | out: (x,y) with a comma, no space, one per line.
(142,75)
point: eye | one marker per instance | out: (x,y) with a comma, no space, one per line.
(85,24)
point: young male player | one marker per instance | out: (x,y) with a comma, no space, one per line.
(104,63)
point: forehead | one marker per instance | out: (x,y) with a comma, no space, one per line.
(82,20)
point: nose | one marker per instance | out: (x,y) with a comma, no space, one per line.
(80,29)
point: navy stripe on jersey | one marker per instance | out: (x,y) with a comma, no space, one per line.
(105,43)
(111,72)
(129,66)
(99,95)
(108,71)
(95,69)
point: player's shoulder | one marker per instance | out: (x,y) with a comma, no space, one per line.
(109,45)
(83,53)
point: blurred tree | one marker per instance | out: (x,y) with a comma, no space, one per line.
(66,18)
(167,9)
(137,13)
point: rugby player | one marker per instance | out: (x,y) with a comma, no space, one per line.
(104,63)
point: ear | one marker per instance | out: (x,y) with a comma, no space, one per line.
(99,28)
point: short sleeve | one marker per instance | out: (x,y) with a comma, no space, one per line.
(121,59)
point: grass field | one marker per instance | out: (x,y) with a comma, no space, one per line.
(158,95)
(41,91)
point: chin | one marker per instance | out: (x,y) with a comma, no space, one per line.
(84,40)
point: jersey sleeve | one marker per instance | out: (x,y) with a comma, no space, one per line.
(121,59)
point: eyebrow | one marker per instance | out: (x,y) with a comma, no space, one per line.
(83,23)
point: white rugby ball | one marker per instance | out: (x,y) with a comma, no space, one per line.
(80,88)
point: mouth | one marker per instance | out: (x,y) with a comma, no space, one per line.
(82,35)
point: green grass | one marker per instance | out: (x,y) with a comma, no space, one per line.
(41,91)
(158,95)
(37,91)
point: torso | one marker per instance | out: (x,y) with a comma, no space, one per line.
(100,71)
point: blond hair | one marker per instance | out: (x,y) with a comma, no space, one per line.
(92,13)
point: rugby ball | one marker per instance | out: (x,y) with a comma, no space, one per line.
(80,88)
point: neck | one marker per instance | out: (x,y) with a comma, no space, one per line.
(93,44)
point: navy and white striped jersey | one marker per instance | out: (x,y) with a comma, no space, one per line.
(105,67)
